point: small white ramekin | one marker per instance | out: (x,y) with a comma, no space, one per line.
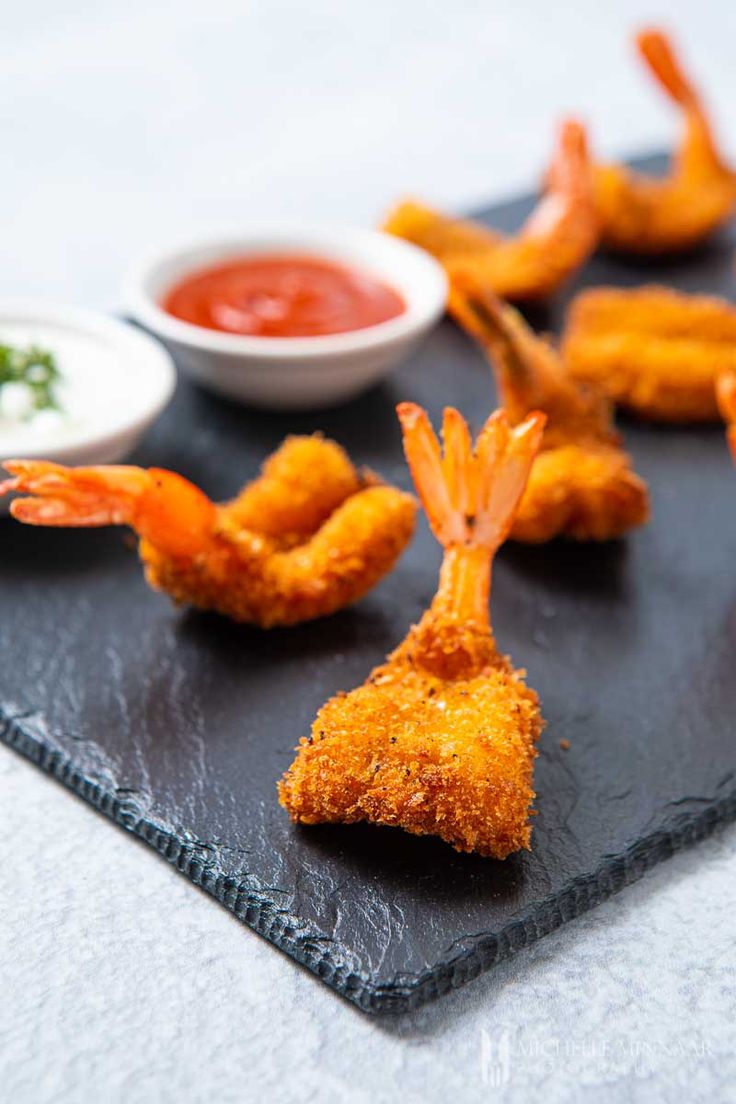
(293,373)
(134,387)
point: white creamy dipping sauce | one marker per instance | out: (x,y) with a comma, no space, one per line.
(89,392)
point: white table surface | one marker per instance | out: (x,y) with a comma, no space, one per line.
(124,125)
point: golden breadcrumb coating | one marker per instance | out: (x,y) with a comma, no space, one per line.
(306,538)
(642,216)
(586,492)
(655,351)
(440,739)
(437,756)
(300,485)
(650,215)
(555,241)
(582,484)
(252,580)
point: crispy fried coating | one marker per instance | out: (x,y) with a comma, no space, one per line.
(249,579)
(554,242)
(655,351)
(289,548)
(300,485)
(582,485)
(649,215)
(581,492)
(440,740)
(451,758)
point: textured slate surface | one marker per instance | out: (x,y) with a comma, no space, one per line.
(177,725)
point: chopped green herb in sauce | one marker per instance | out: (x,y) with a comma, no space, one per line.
(36,370)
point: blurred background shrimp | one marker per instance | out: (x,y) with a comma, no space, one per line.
(655,351)
(553,243)
(310,536)
(582,484)
(441,739)
(643,214)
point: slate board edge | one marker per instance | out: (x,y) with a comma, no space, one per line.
(250,903)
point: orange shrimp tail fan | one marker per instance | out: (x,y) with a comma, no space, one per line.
(78,497)
(570,170)
(521,361)
(158,504)
(568,201)
(657,50)
(470,492)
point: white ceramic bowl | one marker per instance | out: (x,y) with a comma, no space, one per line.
(291,373)
(119,380)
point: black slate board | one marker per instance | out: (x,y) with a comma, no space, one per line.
(178,724)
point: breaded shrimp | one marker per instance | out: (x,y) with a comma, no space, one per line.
(557,238)
(440,740)
(645,214)
(582,484)
(310,536)
(726,391)
(653,350)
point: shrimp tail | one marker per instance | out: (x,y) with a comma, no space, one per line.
(700,151)
(159,505)
(83,497)
(486,318)
(569,186)
(470,493)
(555,240)
(657,51)
(559,235)
(525,367)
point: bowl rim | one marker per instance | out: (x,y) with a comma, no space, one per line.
(128,338)
(422,311)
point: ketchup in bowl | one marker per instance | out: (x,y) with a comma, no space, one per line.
(279,295)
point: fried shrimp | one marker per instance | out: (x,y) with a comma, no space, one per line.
(558,237)
(643,214)
(310,536)
(655,351)
(440,740)
(582,484)
(726,391)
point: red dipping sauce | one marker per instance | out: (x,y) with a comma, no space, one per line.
(282,296)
